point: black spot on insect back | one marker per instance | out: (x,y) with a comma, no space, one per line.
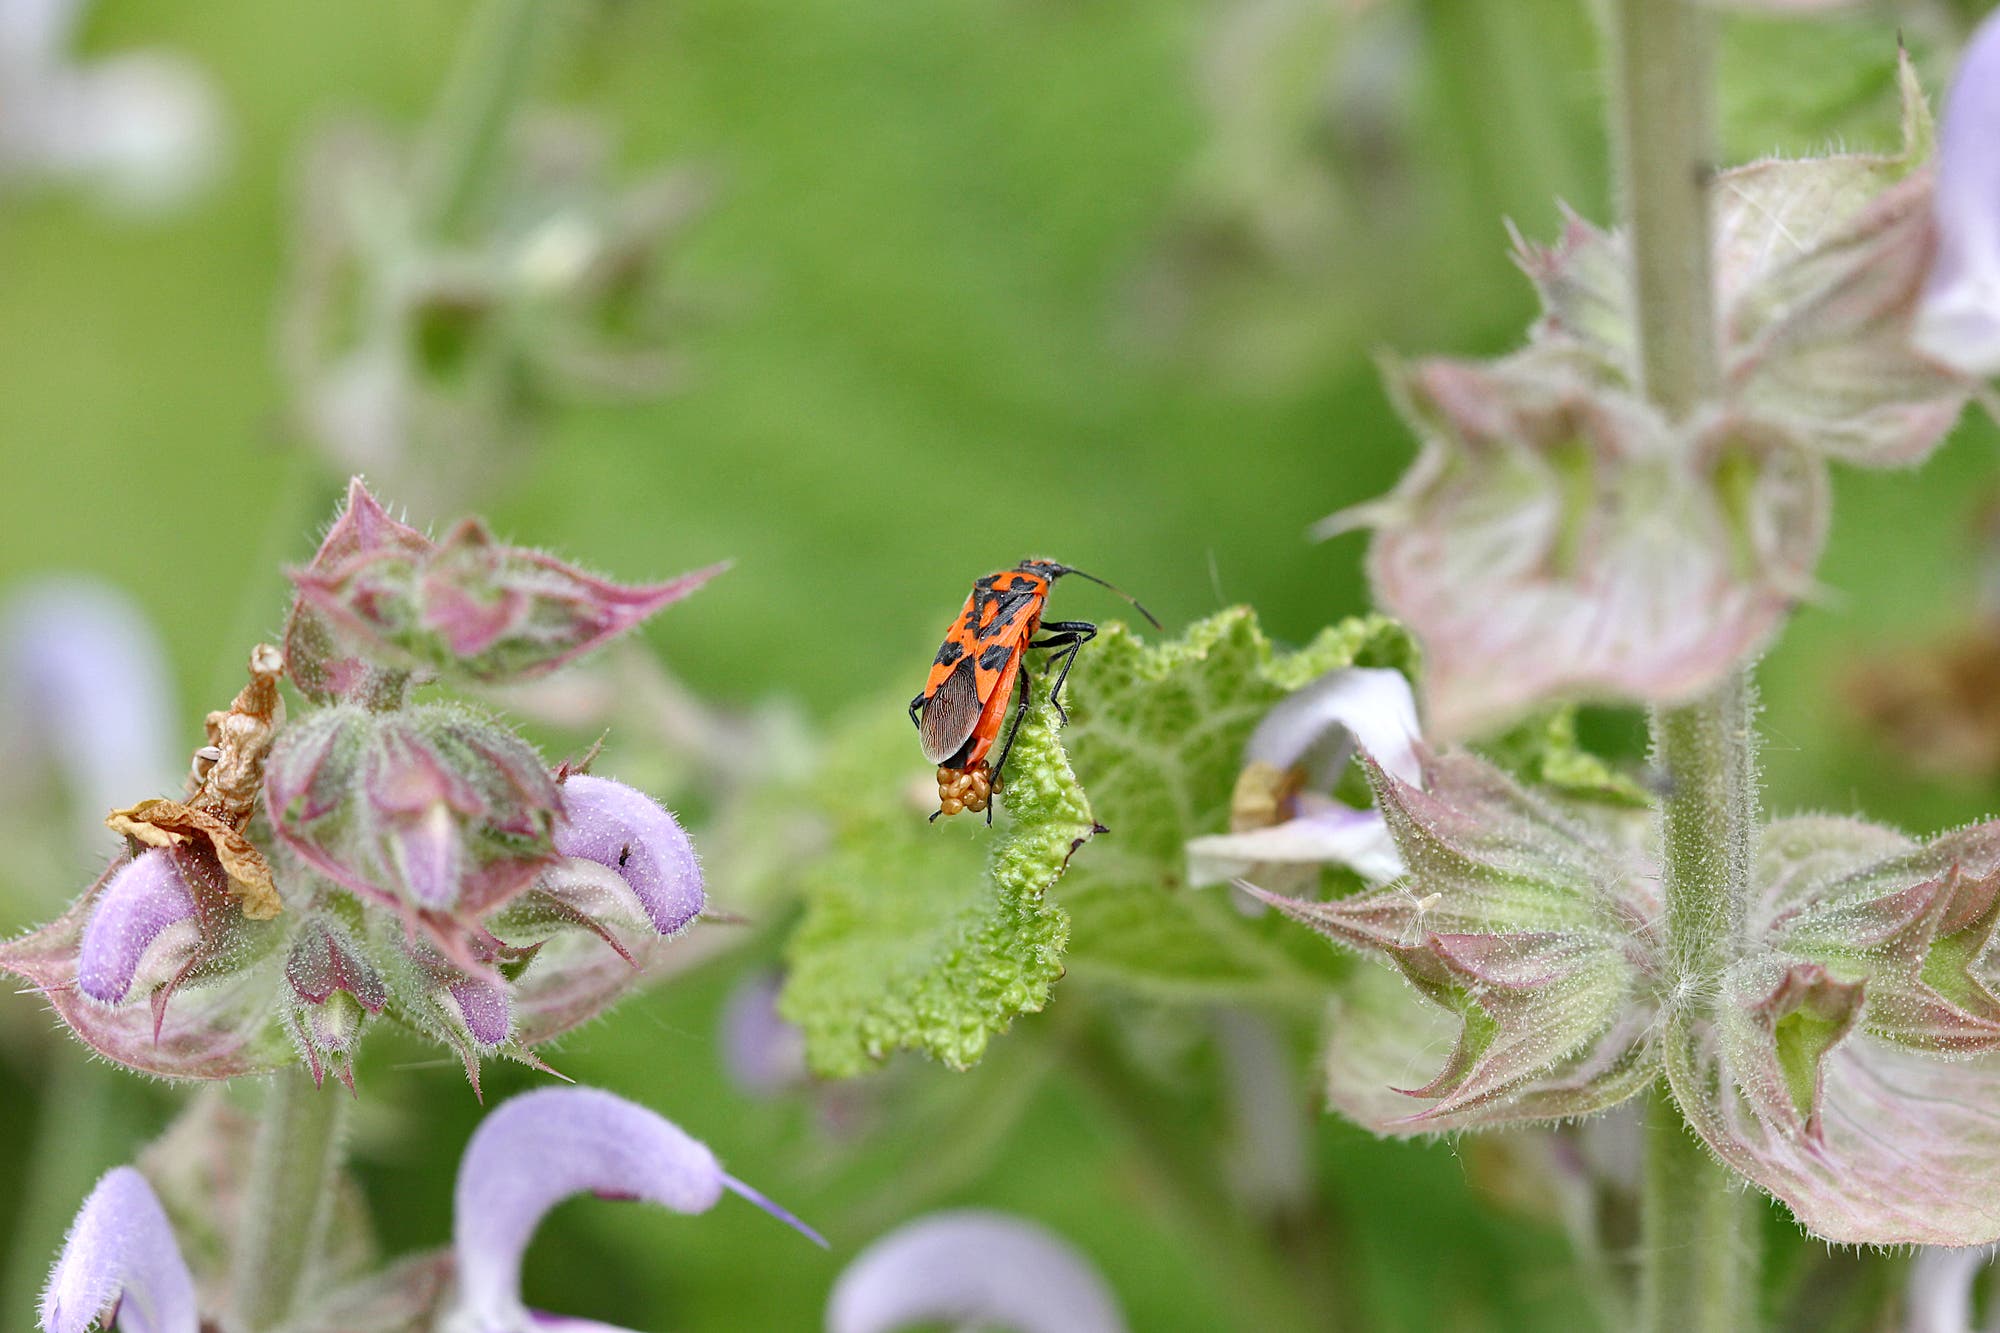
(995,656)
(950,653)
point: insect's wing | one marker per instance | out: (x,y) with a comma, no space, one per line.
(950,714)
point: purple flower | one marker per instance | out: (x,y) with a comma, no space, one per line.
(435,810)
(762,1053)
(145,920)
(1958,321)
(972,1268)
(546,1146)
(1306,742)
(624,829)
(84,687)
(120,1265)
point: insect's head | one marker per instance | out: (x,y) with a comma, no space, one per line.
(1053,570)
(1048,569)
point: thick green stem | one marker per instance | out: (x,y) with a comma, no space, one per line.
(1706,750)
(1662,93)
(1699,1262)
(469,129)
(288,1199)
(1698,1226)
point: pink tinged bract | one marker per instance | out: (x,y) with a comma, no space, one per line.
(470,605)
(624,829)
(143,927)
(973,1268)
(120,1255)
(1558,539)
(1528,930)
(213,1018)
(1958,322)
(1872,1121)
(546,1146)
(1317,729)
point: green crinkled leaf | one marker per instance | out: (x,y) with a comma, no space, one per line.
(933,937)
(1543,752)
(929,936)
(1158,733)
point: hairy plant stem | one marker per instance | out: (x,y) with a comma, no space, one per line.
(467,133)
(287,1199)
(1699,1255)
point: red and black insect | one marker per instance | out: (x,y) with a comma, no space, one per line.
(964,703)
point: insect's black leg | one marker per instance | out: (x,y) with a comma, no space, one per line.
(1007,746)
(917,708)
(1069,635)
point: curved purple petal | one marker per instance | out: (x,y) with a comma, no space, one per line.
(120,1253)
(145,916)
(1958,320)
(483,1010)
(545,1146)
(973,1267)
(623,828)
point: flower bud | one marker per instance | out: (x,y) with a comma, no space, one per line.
(627,831)
(144,930)
(428,809)
(121,1255)
(469,606)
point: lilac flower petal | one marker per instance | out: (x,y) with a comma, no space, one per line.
(146,915)
(543,1147)
(120,1252)
(762,1053)
(428,855)
(483,1009)
(83,683)
(623,828)
(973,1267)
(1333,834)
(1958,320)
(1374,707)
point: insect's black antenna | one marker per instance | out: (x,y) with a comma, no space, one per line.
(1120,591)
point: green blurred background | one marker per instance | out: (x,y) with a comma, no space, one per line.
(1101,279)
